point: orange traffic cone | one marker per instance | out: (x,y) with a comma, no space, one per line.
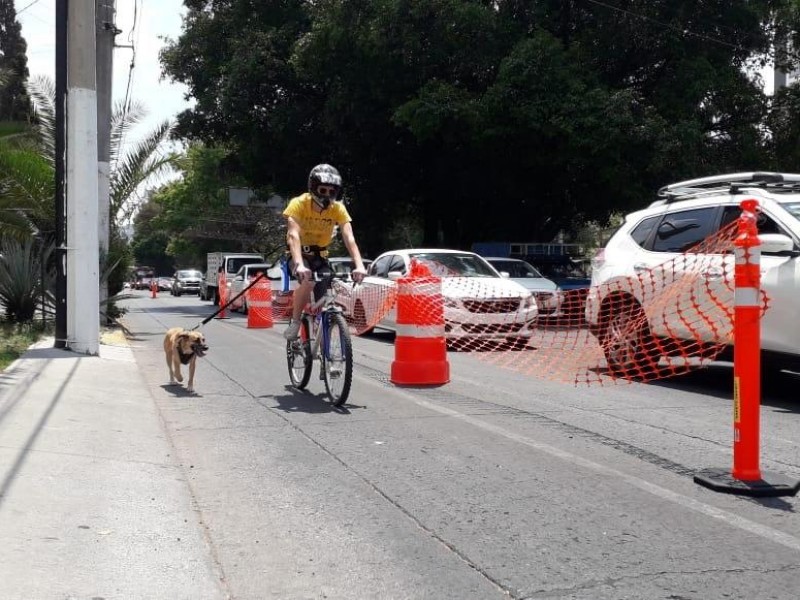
(420,346)
(153,288)
(259,305)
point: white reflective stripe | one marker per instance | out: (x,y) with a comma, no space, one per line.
(419,289)
(420,331)
(746,297)
(742,259)
(259,304)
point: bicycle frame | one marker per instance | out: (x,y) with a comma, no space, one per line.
(316,312)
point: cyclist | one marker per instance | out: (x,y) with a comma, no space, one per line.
(311,218)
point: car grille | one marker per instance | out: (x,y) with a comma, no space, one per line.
(492,327)
(492,305)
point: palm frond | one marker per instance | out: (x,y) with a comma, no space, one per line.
(42,92)
(144,162)
(123,119)
(27,185)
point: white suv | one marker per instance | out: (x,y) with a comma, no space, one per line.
(685,214)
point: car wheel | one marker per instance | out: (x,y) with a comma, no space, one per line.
(628,345)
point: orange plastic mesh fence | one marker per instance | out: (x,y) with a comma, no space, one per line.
(657,321)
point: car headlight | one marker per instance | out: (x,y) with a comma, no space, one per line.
(451,303)
(528,301)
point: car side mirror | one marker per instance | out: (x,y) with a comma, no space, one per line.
(394,275)
(777,243)
(505,274)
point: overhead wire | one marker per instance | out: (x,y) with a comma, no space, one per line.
(27,6)
(675,28)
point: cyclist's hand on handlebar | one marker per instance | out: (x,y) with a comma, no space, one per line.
(302,274)
(358,275)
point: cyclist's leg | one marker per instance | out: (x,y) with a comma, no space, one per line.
(321,268)
(300,298)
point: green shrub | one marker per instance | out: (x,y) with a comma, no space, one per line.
(21,285)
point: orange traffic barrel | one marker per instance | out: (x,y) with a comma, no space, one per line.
(259,305)
(420,346)
(222,294)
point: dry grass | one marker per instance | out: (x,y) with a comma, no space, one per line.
(16,338)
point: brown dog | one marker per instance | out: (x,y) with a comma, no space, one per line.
(183,347)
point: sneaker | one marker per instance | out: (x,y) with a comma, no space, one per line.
(292,330)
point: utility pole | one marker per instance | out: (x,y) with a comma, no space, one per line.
(60,168)
(83,298)
(105,33)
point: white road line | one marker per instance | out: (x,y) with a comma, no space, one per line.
(763,531)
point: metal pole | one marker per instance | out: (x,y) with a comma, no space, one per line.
(60,169)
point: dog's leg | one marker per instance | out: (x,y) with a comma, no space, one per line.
(190,387)
(169,366)
(176,365)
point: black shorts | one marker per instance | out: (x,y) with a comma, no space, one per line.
(318,265)
(315,262)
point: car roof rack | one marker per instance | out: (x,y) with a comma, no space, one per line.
(691,188)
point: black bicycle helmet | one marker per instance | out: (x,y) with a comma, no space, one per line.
(324,175)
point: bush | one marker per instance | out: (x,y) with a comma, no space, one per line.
(21,285)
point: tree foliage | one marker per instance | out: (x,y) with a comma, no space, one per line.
(14,102)
(191,216)
(509,119)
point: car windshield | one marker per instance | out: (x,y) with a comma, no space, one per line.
(516,268)
(189,273)
(793,208)
(455,265)
(342,266)
(564,270)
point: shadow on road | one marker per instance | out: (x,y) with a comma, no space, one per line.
(308,402)
(778,388)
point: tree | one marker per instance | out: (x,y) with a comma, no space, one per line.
(14,102)
(498,119)
(194,216)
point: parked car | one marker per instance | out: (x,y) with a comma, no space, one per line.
(684,214)
(186,281)
(573,278)
(244,276)
(164,284)
(478,302)
(548,296)
(343,265)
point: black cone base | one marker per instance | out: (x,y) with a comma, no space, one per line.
(770,484)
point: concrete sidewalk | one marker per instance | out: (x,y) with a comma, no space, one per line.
(92,501)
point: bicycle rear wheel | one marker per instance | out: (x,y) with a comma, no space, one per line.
(337,360)
(298,356)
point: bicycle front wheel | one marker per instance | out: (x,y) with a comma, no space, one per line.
(298,355)
(337,360)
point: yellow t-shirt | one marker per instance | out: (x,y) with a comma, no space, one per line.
(316,229)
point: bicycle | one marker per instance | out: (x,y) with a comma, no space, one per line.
(323,336)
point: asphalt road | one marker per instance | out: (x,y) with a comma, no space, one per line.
(496,485)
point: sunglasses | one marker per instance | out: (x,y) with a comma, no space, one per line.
(327,190)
